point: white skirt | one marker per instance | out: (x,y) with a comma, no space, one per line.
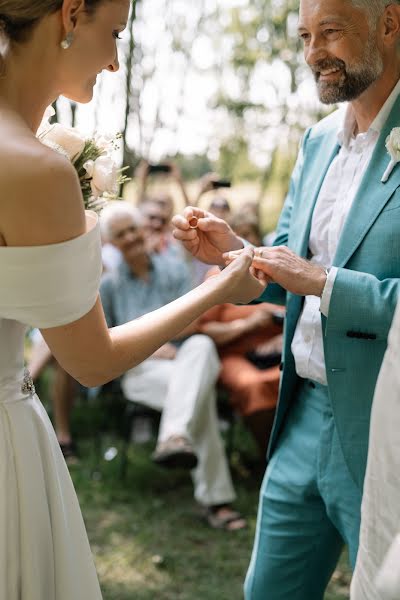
(44,550)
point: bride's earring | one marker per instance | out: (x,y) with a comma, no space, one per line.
(67,41)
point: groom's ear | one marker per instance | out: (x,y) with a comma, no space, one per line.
(71,11)
(391,24)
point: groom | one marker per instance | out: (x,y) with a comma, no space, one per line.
(336,265)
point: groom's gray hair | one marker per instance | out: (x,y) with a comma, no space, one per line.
(373,8)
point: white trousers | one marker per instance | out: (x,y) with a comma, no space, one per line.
(184,390)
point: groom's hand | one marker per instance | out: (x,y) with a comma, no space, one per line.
(282,266)
(204,235)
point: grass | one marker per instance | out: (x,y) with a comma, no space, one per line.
(148,537)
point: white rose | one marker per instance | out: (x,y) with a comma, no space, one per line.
(104,142)
(104,176)
(393,144)
(66,138)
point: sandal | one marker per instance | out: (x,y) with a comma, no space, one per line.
(222,516)
(175,452)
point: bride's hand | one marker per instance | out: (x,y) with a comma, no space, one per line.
(204,235)
(238,281)
(230,257)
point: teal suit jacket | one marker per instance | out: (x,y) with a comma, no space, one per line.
(365,292)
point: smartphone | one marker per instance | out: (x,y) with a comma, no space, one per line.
(221,183)
(161,168)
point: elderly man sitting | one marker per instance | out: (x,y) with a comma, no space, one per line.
(179,379)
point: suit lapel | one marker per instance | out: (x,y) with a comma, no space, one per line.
(372,195)
(313,178)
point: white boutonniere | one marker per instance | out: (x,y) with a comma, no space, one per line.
(393,147)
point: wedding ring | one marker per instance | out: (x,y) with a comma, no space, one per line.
(193,222)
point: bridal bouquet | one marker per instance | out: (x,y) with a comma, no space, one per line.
(98,174)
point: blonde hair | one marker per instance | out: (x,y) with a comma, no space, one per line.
(19,17)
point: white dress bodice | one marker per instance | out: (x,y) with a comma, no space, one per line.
(45,286)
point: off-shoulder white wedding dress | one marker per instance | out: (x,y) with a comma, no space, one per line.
(44,551)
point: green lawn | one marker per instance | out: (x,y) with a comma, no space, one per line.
(149,540)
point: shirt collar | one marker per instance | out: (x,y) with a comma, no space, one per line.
(347,129)
(346,132)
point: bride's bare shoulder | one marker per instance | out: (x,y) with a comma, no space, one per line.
(40,200)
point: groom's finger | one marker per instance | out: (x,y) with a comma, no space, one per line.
(189,235)
(212,224)
(193,211)
(264,265)
(180,222)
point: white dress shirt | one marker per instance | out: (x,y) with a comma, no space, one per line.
(336,196)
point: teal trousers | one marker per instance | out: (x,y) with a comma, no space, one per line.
(309,506)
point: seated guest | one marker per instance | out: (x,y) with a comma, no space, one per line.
(246,225)
(159,238)
(179,379)
(220,207)
(165,202)
(169,172)
(249,344)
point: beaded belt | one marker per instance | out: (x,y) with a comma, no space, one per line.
(27,386)
(12,390)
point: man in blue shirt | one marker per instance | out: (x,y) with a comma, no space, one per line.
(178,379)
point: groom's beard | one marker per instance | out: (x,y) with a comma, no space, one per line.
(354,79)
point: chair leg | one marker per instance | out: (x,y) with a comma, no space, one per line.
(123,461)
(129,415)
(128,419)
(230,438)
(260,425)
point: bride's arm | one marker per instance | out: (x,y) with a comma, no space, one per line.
(86,348)
(94,354)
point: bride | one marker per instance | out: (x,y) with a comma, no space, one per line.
(49,275)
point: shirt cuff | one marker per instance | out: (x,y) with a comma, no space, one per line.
(327,292)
